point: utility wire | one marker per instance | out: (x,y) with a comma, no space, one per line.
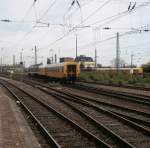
(114,17)
(35,13)
(78,8)
(97,10)
(37,21)
(122,14)
(74,28)
(114,37)
(30,8)
(50,7)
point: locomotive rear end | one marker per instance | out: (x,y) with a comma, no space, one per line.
(72,71)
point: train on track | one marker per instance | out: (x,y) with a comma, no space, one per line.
(66,71)
(132,71)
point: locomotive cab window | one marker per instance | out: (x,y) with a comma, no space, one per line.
(71,68)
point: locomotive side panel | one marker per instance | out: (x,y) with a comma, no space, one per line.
(68,71)
(55,71)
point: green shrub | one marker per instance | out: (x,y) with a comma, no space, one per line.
(115,78)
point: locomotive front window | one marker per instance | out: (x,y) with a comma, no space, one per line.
(72,68)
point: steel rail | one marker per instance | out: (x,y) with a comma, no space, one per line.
(48,136)
(119,85)
(37,84)
(112,93)
(100,102)
(76,97)
(136,120)
(85,102)
(62,98)
(130,123)
(79,128)
(79,100)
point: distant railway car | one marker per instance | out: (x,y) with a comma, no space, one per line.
(33,70)
(87,65)
(67,71)
(137,71)
(132,71)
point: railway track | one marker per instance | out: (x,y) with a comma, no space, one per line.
(59,130)
(131,113)
(128,102)
(114,104)
(142,117)
(118,85)
(135,114)
(127,130)
(99,114)
(111,93)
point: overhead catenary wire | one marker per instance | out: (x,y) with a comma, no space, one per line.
(64,15)
(114,37)
(112,18)
(28,11)
(74,28)
(37,21)
(94,12)
(71,31)
(33,4)
(118,16)
(47,10)
(81,6)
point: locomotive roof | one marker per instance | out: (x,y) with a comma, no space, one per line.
(55,65)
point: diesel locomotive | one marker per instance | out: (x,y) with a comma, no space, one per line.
(66,71)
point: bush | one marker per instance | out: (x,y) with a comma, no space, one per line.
(120,78)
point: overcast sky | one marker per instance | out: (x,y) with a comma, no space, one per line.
(53,24)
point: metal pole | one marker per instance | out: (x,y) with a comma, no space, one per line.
(14,63)
(1,64)
(76,45)
(20,57)
(117,53)
(1,58)
(14,60)
(59,55)
(95,57)
(55,58)
(35,55)
(132,55)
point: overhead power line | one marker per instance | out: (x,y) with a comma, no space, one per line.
(97,10)
(30,8)
(138,30)
(37,21)
(75,27)
(110,19)
(47,10)
(118,16)
(73,3)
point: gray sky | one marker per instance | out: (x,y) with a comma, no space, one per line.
(64,22)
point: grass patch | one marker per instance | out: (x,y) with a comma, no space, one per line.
(120,78)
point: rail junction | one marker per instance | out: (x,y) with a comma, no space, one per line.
(80,115)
